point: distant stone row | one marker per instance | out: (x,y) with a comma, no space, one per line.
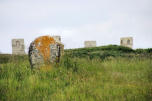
(125,41)
(19,48)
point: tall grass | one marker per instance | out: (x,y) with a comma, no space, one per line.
(78,79)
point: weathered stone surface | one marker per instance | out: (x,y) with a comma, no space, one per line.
(45,50)
(126,41)
(18,47)
(90,44)
(57,38)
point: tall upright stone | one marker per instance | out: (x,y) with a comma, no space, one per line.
(45,50)
(88,44)
(57,38)
(18,47)
(126,41)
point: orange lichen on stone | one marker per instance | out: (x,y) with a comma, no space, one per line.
(43,45)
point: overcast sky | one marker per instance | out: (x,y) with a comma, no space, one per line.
(76,21)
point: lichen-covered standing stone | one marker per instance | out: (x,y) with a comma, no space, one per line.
(45,50)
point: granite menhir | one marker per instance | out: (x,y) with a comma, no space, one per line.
(45,50)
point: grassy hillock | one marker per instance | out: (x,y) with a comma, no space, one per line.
(124,75)
(103,52)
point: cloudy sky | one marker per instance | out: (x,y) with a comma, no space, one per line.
(76,21)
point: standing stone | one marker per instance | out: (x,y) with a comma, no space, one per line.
(36,58)
(18,47)
(89,44)
(45,50)
(57,38)
(126,41)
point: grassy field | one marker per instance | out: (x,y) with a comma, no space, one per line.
(78,79)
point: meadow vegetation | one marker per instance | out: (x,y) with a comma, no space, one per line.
(109,73)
